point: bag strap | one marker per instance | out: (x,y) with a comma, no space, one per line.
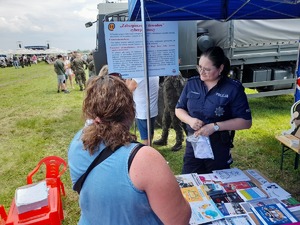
(106,152)
(102,156)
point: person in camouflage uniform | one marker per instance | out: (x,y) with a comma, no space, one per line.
(78,66)
(91,68)
(172,88)
(91,65)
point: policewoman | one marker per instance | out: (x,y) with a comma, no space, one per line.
(213,106)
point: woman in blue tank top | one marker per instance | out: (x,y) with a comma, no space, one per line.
(147,192)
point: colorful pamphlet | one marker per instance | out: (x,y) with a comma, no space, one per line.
(250,194)
(273,214)
(188,180)
(204,211)
(233,186)
(227,197)
(212,188)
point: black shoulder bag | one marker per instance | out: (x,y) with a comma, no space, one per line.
(101,157)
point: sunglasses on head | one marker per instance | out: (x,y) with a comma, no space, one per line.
(115,75)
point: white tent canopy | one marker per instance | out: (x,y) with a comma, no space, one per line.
(25,51)
(56,51)
(21,51)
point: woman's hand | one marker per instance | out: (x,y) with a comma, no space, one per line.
(205,130)
(195,123)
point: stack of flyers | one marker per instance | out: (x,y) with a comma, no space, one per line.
(275,191)
(233,186)
(212,188)
(204,212)
(250,194)
(194,194)
(230,175)
(188,180)
(274,214)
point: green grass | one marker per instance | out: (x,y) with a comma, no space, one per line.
(36,122)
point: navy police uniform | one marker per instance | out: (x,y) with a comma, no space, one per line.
(227,100)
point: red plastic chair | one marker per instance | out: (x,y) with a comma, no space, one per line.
(55,167)
(3,215)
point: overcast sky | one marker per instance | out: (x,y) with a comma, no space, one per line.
(61,23)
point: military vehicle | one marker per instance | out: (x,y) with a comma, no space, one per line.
(263,53)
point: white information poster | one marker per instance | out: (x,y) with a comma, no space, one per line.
(125,52)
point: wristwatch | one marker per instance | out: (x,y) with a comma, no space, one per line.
(216,127)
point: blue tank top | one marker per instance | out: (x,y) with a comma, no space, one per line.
(108,195)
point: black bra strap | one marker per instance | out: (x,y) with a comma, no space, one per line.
(133,153)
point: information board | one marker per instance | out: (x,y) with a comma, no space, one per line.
(125,51)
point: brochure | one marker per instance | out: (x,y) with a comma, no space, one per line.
(204,211)
(273,214)
(275,191)
(188,180)
(250,194)
(231,175)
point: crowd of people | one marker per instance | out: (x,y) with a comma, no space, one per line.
(18,61)
(133,183)
(72,67)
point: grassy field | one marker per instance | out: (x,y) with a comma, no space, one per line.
(36,122)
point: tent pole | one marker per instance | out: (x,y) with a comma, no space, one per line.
(146,71)
(297,70)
